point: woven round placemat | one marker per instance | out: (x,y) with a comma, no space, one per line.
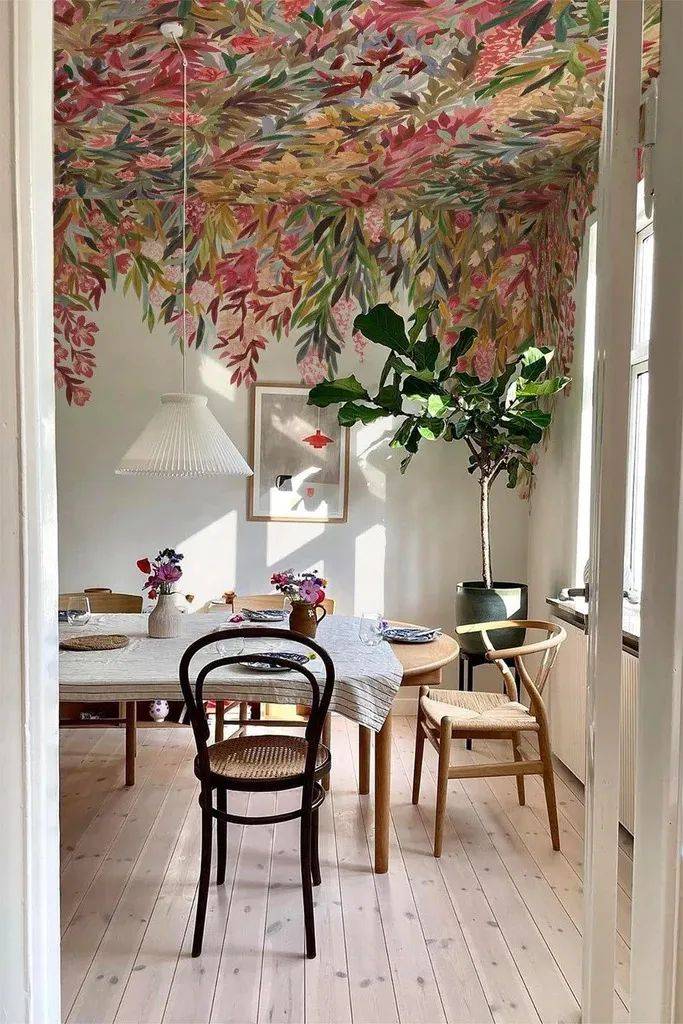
(95,642)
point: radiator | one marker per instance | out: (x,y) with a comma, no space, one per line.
(567,708)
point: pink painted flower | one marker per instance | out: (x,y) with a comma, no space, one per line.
(150,161)
(463,219)
(312,369)
(291,9)
(193,119)
(249,43)
(126,174)
(80,164)
(62,191)
(484,360)
(478,279)
(201,73)
(360,344)
(80,395)
(103,141)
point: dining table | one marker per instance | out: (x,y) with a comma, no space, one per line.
(367,680)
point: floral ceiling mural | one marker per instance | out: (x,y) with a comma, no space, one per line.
(339,151)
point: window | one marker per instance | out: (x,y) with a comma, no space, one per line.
(640,345)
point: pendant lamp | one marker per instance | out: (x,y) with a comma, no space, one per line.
(184,438)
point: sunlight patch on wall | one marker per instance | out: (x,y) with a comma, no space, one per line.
(368,593)
(284,540)
(209,564)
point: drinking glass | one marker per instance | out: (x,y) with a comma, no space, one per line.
(229,647)
(78,610)
(372,626)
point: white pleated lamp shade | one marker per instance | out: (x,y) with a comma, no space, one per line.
(183,438)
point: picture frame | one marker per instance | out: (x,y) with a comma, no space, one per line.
(300,458)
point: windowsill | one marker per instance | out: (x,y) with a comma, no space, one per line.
(575,612)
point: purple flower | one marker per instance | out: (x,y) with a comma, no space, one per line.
(310,592)
(168,572)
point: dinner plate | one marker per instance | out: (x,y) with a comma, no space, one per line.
(270,661)
(264,614)
(405,635)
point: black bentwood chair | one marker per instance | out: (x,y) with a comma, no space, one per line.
(258,764)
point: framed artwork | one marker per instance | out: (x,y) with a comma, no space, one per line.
(300,458)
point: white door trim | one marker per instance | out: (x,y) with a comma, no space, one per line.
(29,851)
(616,251)
(657,850)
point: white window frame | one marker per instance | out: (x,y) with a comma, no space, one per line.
(637,418)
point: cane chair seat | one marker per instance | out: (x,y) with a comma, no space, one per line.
(477,711)
(269,758)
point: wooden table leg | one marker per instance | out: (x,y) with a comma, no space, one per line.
(364,738)
(131,741)
(382,796)
(219,728)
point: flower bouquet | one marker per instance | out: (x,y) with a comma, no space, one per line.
(165,620)
(306,592)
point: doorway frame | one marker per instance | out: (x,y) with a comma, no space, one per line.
(29,751)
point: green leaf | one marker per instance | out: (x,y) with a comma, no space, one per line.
(464,343)
(419,319)
(343,389)
(402,434)
(416,388)
(575,65)
(595,16)
(461,428)
(352,413)
(512,469)
(425,353)
(542,388)
(534,22)
(389,398)
(431,428)
(383,326)
(438,405)
(535,416)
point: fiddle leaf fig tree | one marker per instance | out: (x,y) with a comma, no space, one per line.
(500,420)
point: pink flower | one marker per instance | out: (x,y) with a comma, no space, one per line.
(169,573)
(478,279)
(463,219)
(126,175)
(81,165)
(62,191)
(236,618)
(484,360)
(248,43)
(206,74)
(79,395)
(103,141)
(150,161)
(291,9)
(311,593)
(193,120)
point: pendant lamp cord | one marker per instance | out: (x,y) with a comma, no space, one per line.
(184,213)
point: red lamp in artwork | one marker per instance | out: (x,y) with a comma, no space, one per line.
(318,440)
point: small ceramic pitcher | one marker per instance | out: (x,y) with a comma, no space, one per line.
(304,618)
(165,619)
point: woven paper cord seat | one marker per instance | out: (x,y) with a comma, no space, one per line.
(477,711)
(262,757)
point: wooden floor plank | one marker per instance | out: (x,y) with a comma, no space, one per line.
(328,998)
(91,920)
(241,952)
(417,993)
(104,984)
(370,979)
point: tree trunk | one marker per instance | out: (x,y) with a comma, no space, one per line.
(485,484)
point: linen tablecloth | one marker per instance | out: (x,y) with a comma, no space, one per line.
(367,678)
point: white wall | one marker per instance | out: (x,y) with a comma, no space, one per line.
(558,525)
(407,542)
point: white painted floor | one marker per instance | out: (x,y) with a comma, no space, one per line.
(489,932)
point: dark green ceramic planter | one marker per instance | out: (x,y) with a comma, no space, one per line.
(476,603)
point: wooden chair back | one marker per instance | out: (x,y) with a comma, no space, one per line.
(548,647)
(104,601)
(193,694)
(259,602)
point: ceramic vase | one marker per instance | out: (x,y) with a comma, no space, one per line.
(304,618)
(158,710)
(165,619)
